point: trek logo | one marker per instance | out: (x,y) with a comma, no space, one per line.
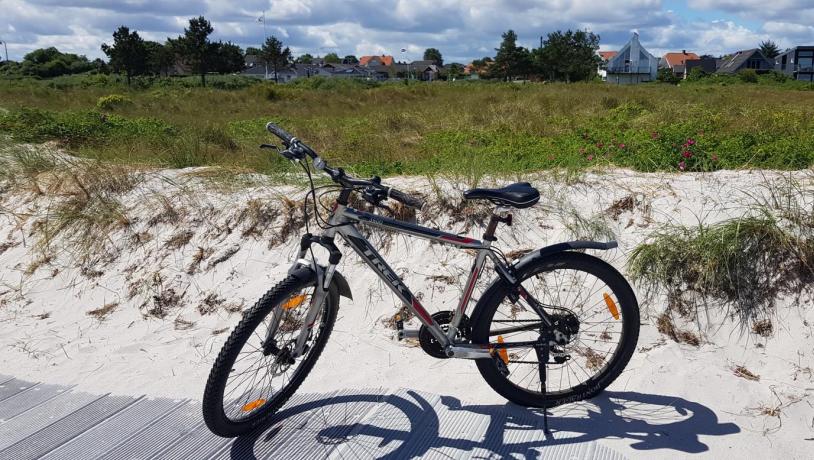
(385,271)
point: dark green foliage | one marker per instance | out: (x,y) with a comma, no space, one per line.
(769,49)
(568,56)
(350,59)
(305,59)
(160,58)
(228,58)
(50,62)
(511,60)
(127,54)
(332,58)
(432,54)
(666,75)
(195,48)
(275,56)
(748,76)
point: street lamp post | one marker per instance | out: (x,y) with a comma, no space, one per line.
(262,19)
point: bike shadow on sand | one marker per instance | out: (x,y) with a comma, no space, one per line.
(409,425)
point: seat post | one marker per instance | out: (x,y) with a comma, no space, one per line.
(494,220)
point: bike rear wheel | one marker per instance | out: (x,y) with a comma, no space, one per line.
(571,285)
(251,380)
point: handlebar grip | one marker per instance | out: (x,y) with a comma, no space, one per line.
(284,135)
(408,200)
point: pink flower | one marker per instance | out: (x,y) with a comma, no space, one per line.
(599,145)
(621,146)
(682,165)
(691,141)
(714,157)
(686,154)
(590,157)
(654,135)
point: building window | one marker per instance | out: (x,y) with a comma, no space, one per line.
(806,63)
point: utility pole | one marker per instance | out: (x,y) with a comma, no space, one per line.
(262,19)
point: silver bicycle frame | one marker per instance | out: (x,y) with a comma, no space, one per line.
(343,221)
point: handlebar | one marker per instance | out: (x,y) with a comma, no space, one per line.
(297,150)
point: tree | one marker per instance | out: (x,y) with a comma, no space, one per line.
(666,75)
(159,58)
(332,58)
(481,66)
(432,54)
(511,60)
(195,48)
(50,62)
(127,53)
(769,49)
(569,56)
(454,71)
(228,58)
(252,51)
(350,59)
(275,55)
(305,59)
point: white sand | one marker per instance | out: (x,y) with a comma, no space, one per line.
(675,400)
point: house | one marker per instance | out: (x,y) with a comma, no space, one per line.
(425,70)
(372,61)
(604,57)
(633,64)
(707,65)
(677,62)
(745,59)
(797,63)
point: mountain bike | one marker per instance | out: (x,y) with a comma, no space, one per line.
(556,326)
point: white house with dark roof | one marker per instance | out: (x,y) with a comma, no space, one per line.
(633,64)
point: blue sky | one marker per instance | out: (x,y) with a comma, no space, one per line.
(461,29)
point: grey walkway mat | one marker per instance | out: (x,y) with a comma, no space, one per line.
(53,422)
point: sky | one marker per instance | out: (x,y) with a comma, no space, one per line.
(461,29)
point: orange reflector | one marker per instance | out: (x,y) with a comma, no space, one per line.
(253,405)
(294,302)
(504,355)
(611,305)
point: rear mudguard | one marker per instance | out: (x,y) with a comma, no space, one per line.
(561,247)
(305,272)
(532,257)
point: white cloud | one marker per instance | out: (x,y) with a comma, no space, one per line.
(461,29)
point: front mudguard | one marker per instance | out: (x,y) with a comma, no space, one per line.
(306,272)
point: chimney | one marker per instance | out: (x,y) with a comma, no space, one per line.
(684,52)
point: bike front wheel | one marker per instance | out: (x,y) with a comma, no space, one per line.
(252,378)
(585,294)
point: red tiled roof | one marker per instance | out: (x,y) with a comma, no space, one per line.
(607,55)
(385,60)
(674,59)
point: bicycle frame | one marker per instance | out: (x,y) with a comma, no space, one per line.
(343,221)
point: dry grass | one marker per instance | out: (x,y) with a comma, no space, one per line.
(178,240)
(743,372)
(665,325)
(102,312)
(763,328)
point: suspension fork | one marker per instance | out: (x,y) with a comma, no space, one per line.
(321,288)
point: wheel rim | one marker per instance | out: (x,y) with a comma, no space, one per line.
(598,342)
(256,378)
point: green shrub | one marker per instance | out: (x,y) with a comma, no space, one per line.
(113,101)
(748,75)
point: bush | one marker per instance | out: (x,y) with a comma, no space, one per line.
(113,101)
(748,75)
(666,75)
